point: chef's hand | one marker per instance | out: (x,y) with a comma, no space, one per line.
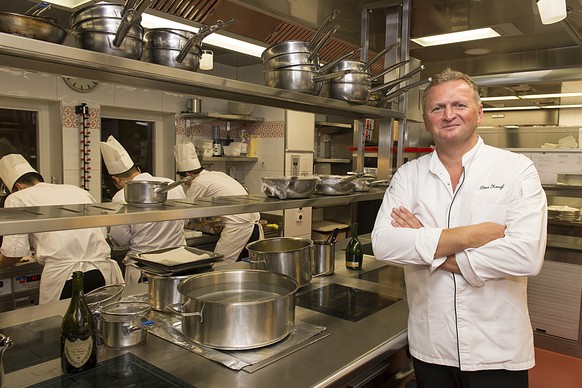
(403,218)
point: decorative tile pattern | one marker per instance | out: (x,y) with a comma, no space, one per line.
(72,120)
(265,129)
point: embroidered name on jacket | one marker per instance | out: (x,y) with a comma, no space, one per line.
(492,186)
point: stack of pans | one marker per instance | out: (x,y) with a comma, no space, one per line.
(294,65)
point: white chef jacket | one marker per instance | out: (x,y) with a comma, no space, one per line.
(238,228)
(147,236)
(478,319)
(61,252)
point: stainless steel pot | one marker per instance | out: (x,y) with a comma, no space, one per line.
(302,81)
(335,184)
(111,28)
(289,186)
(178,48)
(102,296)
(163,290)
(32,26)
(140,192)
(287,255)
(323,262)
(365,184)
(125,324)
(237,309)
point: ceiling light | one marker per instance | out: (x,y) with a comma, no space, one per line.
(512,108)
(68,3)
(552,11)
(477,51)
(455,37)
(550,95)
(499,98)
(562,106)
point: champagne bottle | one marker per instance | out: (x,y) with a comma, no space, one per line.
(78,332)
(354,254)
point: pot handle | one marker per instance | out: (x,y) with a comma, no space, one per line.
(142,325)
(321,28)
(177,308)
(38,9)
(331,64)
(321,43)
(169,187)
(202,33)
(319,78)
(130,16)
(379,55)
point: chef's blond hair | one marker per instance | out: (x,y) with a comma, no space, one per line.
(447,75)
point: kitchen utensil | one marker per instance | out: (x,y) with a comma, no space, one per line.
(287,255)
(326,22)
(389,96)
(302,81)
(102,296)
(5,343)
(364,184)
(359,66)
(163,289)
(333,237)
(125,324)
(32,25)
(176,48)
(112,29)
(323,262)
(335,184)
(142,192)
(289,187)
(175,260)
(237,309)
(240,108)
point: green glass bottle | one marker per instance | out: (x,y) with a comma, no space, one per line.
(354,253)
(78,332)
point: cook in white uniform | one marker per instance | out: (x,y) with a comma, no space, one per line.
(468,223)
(138,238)
(239,229)
(61,252)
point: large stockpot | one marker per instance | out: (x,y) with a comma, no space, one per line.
(163,289)
(144,192)
(287,255)
(237,309)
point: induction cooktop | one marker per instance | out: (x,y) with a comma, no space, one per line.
(351,304)
(126,370)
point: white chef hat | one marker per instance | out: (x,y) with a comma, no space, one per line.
(12,168)
(116,158)
(186,157)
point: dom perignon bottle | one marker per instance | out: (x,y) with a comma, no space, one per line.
(354,254)
(78,332)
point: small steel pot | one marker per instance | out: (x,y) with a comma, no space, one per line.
(163,290)
(102,296)
(287,255)
(237,309)
(125,324)
(141,192)
(297,80)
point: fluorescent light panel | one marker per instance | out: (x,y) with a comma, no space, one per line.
(512,108)
(455,37)
(499,98)
(551,95)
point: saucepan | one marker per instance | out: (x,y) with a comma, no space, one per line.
(336,184)
(178,48)
(32,25)
(143,192)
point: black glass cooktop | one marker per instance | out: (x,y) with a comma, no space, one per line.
(351,304)
(126,370)
(388,274)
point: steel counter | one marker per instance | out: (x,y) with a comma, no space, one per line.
(350,346)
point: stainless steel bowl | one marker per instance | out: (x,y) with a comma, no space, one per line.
(289,186)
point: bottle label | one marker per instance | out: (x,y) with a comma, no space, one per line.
(79,351)
(352,264)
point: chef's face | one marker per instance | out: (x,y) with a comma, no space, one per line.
(452,113)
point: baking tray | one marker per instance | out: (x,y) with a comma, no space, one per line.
(160,268)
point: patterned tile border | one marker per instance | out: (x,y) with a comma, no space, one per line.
(72,120)
(265,129)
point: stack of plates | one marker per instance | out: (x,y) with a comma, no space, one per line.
(564,213)
(176,260)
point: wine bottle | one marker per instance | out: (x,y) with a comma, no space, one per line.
(216,143)
(354,254)
(78,332)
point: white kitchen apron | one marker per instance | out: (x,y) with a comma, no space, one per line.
(233,239)
(57,271)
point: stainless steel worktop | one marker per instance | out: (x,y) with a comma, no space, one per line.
(350,345)
(63,217)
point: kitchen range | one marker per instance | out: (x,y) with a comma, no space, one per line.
(357,338)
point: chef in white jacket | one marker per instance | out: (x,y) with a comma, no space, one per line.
(239,229)
(138,238)
(61,252)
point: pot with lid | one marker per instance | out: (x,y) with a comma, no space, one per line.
(125,324)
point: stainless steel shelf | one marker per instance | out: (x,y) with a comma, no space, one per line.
(220,116)
(327,124)
(49,218)
(29,54)
(242,159)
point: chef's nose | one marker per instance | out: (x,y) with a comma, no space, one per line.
(448,113)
